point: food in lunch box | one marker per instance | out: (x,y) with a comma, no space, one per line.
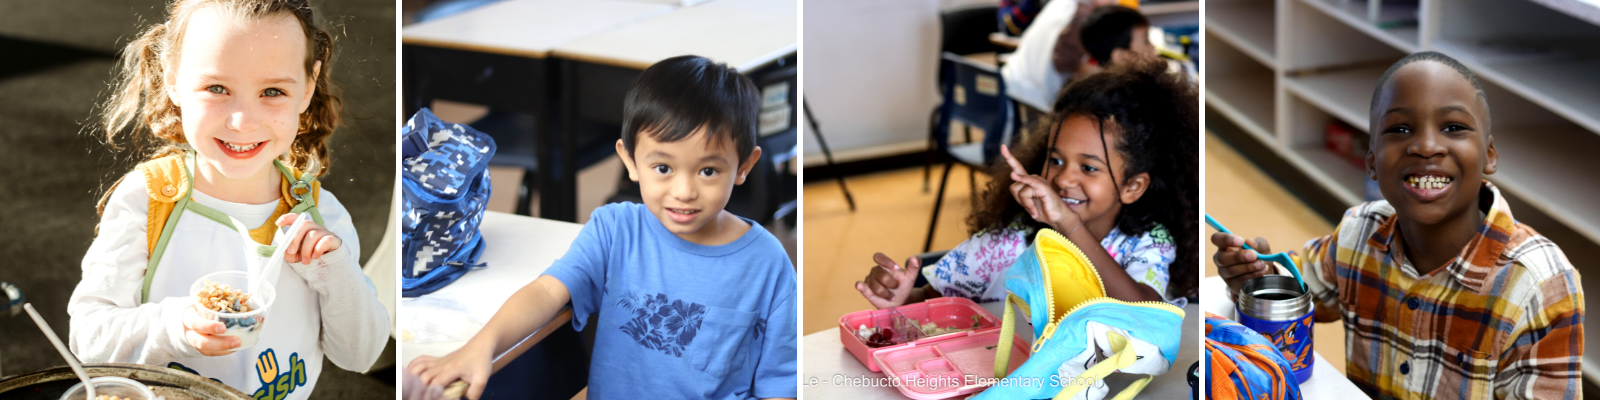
(932,329)
(876,337)
(220,297)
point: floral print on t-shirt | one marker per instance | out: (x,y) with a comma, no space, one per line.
(660,323)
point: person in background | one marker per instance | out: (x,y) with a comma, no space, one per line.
(1051,52)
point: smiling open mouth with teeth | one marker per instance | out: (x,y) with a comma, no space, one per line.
(1072,201)
(239,147)
(1428,182)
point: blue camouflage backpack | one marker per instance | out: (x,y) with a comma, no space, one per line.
(443,168)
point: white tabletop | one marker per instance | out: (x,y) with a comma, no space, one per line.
(743,33)
(667,2)
(519,249)
(1325,383)
(685,3)
(828,366)
(529,28)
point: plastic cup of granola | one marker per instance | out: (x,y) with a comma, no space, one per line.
(220,296)
(107,387)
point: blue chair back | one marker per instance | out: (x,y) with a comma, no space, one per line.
(975,95)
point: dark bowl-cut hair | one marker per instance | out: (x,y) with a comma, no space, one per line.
(677,96)
(1109,28)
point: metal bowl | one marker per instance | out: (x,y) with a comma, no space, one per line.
(50,384)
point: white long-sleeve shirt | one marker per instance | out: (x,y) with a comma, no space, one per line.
(327,307)
(1030,74)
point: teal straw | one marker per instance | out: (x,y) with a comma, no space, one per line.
(1281,258)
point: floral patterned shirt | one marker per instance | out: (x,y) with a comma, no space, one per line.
(976,268)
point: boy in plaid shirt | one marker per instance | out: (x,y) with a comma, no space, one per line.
(1442,292)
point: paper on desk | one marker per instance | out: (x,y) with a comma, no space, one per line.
(437,317)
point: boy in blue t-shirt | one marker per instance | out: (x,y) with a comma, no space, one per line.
(693,301)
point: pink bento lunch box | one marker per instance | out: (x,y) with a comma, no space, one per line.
(939,366)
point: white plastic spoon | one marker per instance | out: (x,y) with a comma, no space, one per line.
(276,262)
(72,360)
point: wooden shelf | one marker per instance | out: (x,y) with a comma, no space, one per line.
(1345,94)
(1355,13)
(1566,85)
(1552,168)
(1240,88)
(1332,171)
(1246,99)
(1248,25)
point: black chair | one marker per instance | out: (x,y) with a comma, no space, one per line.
(769,194)
(963,31)
(975,95)
(966,30)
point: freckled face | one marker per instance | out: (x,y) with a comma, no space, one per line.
(240,87)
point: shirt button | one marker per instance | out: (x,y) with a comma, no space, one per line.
(1413,303)
(168,190)
(1405,368)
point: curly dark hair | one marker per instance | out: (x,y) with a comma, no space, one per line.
(1157,116)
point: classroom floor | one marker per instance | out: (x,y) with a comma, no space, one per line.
(1248,202)
(891,217)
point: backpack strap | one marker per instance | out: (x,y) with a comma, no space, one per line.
(170,182)
(1122,356)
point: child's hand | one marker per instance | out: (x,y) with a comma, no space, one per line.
(468,363)
(1039,197)
(1235,263)
(415,390)
(888,285)
(313,242)
(203,333)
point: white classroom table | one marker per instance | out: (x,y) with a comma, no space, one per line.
(1326,383)
(743,33)
(826,363)
(666,2)
(519,249)
(529,28)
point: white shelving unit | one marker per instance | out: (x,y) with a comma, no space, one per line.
(1281,70)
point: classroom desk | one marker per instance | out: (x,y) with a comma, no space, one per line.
(519,249)
(743,33)
(1004,40)
(666,2)
(1326,383)
(498,55)
(825,359)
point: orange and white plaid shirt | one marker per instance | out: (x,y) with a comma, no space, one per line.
(1503,319)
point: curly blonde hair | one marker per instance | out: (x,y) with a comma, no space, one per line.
(140,107)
